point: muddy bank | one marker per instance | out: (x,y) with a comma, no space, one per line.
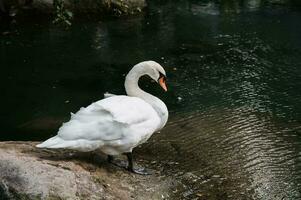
(31,173)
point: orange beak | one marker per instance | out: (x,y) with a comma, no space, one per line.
(162,83)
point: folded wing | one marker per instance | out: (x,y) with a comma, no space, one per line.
(106,120)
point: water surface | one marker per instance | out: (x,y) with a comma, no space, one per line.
(234,78)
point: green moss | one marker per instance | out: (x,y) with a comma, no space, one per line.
(120,7)
(62,15)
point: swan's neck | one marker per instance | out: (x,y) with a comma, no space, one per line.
(132,89)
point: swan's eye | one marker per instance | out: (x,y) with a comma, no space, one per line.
(162,76)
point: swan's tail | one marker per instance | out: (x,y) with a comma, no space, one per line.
(51,143)
(81,144)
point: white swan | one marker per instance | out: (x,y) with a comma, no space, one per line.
(117,123)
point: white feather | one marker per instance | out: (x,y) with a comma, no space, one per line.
(107,94)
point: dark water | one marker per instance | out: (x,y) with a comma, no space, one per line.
(234,77)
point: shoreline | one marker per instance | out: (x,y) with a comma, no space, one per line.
(32,173)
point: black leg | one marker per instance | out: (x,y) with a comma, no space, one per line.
(110,158)
(131,168)
(116,162)
(130,161)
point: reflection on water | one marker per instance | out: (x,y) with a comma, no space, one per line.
(234,90)
(240,152)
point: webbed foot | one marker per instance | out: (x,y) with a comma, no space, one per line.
(131,168)
(129,165)
(140,171)
(118,163)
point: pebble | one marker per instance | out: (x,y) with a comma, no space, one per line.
(187,193)
(173,163)
(199,194)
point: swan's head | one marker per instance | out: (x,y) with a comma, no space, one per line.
(155,71)
(150,68)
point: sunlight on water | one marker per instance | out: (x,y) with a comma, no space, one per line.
(234,90)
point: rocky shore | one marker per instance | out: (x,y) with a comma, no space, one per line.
(31,173)
(12,7)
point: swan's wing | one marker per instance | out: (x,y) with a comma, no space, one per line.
(128,110)
(108,119)
(96,124)
(107,95)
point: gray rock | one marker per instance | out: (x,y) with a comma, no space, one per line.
(31,173)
